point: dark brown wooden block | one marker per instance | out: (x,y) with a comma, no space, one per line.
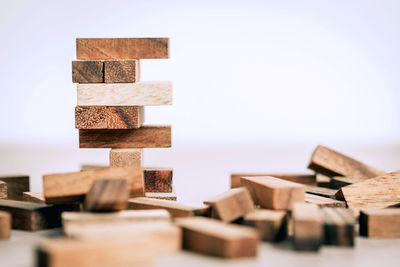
(16,185)
(307,179)
(307,227)
(3,189)
(5,225)
(321,191)
(380,223)
(338,226)
(87,71)
(271,224)
(158,180)
(107,195)
(121,71)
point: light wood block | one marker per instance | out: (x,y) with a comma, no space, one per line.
(107,195)
(322,180)
(16,185)
(231,205)
(273,193)
(121,48)
(161,195)
(307,226)
(338,182)
(5,225)
(380,223)
(121,71)
(324,201)
(321,191)
(338,226)
(35,197)
(3,189)
(307,179)
(158,180)
(87,71)
(125,94)
(126,157)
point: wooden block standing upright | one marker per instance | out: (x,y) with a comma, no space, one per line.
(16,185)
(107,195)
(307,179)
(273,193)
(380,223)
(158,180)
(307,227)
(126,157)
(121,71)
(88,71)
(338,226)
(5,225)
(3,189)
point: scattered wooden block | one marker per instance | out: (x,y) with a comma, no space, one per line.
(3,189)
(121,71)
(88,71)
(144,137)
(338,224)
(126,157)
(125,94)
(162,195)
(273,193)
(5,225)
(16,185)
(324,201)
(271,224)
(307,179)
(338,182)
(307,226)
(231,205)
(332,163)
(69,187)
(121,48)
(380,223)
(212,237)
(158,180)
(321,191)
(34,197)
(104,117)
(107,195)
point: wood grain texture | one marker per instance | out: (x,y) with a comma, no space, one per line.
(16,185)
(5,225)
(321,191)
(158,180)
(339,224)
(231,204)
(88,71)
(324,201)
(338,182)
(307,227)
(162,195)
(121,71)
(125,94)
(3,189)
(331,163)
(274,193)
(212,237)
(107,195)
(307,179)
(125,157)
(105,117)
(144,137)
(121,48)
(380,223)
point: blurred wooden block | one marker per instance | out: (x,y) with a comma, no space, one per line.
(231,205)
(338,182)
(105,117)
(380,223)
(3,189)
(307,179)
(332,163)
(212,237)
(121,48)
(322,180)
(126,157)
(69,187)
(5,225)
(321,191)
(338,226)
(125,94)
(273,193)
(307,226)
(121,71)
(16,185)
(34,197)
(158,180)
(107,195)
(162,195)
(88,71)
(324,201)
(271,224)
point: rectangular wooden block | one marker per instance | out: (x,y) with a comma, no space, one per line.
(16,185)
(231,205)
(307,227)
(380,223)
(88,71)
(125,94)
(158,180)
(161,195)
(105,117)
(324,201)
(321,191)
(5,225)
(332,163)
(126,157)
(121,71)
(307,179)
(144,137)
(121,48)
(3,189)
(338,226)
(107,195)
(338,182)
(35,197)
(273,193)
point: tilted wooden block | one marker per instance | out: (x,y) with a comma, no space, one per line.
(107,195)
(162,195)
(125,94)
(231,205)
(3,189)
(307,227)
(212,237)
(273,193)
(380,223)
(307,179)
(126,157)
(338,226)
(338,182)
(324,201)
(332,163)
(5,225)
(121,48)
(105,117)
(88,71)
(158,180)
(73,186)
(16,185)
(121,71)
(35,197)
(321,191)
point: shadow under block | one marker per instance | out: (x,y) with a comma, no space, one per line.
(307,179)
(338,182)
(121,48)
(158,180)
(104,117)
(125,157)
(338,226)
(144,137)
(89,71)
(331,163)
(107,195)
(161,195)
(231,205)
(5,225)
(213,237)
(323,201)
(121,71)
(16,185)
(3,189)
(321,191)
(307,226)
(125,94)
(69,187)
(274,193)
(380,223)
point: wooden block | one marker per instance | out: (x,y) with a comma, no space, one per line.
(87,167)
(338,224)
(324,201)
(69,187)
(88,71)
(126,157)
(308,179)
(5,225)
(321,191)
(161,195)
(34,197)
(121,71)
(271,224)
(307,226)
(158,180)
(121,48)
(107,195)
(338,182)
(231,205)
(125,94)
(104,117)
(16,185)
(273,193)
(144,137)
(3,189)
(380,223)
(212,237)
(322,180)
(332,163)
(176,209)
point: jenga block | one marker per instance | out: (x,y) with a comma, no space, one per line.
(158,180)
(273,193)
(121,48)
(16,185)
(380,223)
(231,205)
(107,195)
(176,209)
(5,225)
(307,226)
(332,163)
(121,71)
(144,137)
(73,186)
(307,179)
(271,224)
(212,237)
(338,224)
(104,117)
(322,180)
(35,197)
(161,195)
(125,94)
(321,191)
(338,182)
(324,201)
(3,189)
(126,157)
(88,71)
